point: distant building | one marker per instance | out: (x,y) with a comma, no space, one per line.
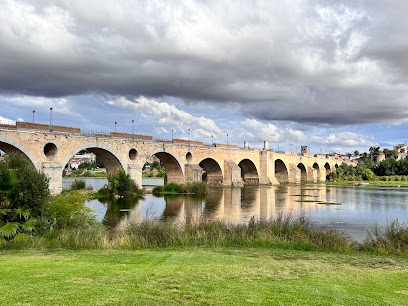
(153,159)
(80,159)
(402,150)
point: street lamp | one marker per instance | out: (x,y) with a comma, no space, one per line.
(33,115)
(50,118)
(133,131)
(189,136)
(227,142)
(115,126)
(172,135)
(212,140)
(278,148)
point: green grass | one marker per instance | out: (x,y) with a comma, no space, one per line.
(377,183)
(189,188)
(201,276)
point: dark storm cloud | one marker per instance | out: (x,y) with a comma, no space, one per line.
(306,61)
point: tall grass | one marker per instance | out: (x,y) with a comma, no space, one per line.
(392,240)
(283,232)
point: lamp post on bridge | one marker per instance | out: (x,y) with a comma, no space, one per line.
(227,142)
(188,137)
(51,119)
(172,135)
(212,140)
(115,126)
(133,131)
(33,115)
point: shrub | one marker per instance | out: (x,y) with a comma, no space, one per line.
(87,173)
(368,175)
(68,210)
(120,184)
(25,186)
(77,185)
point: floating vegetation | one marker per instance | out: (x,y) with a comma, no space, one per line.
(309,201)
(329,203)
(303,195)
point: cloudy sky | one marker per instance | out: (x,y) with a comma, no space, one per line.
(329,75)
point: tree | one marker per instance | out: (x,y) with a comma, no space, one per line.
(374,152)
(390,154)
(120,184)
(23,194)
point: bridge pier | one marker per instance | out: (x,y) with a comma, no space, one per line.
(295,174)
(135,172)
(312,175)
(193,173)
(232,174)
(54,172)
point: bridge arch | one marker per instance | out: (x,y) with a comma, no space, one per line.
(303,172)
(10,145)
(249,173)
(109,157)
(213,174)
(328,168)
(281,172)
(174,170)
(317,168)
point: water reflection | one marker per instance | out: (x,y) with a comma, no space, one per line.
(360,209)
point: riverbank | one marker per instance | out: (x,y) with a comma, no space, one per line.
(202,276)
(376,183)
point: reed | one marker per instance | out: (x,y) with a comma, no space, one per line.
(287,231)
(392,240)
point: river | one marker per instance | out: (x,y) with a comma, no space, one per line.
(358,209)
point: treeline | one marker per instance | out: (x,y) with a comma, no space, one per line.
(156,170)
(367,170)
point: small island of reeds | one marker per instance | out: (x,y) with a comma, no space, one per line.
(174,188)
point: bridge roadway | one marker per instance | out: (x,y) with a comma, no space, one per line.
(49,148)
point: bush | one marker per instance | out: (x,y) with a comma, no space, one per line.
(368,175)
(25,186)
(120,184)
(77,185)
(87,173)
(68,210)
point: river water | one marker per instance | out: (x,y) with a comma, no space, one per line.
(359,208)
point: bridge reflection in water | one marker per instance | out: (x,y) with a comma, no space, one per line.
(232,205)
(361,209)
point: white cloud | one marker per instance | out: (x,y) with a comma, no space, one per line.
(5,120)
(59,105)
(170,117)
(257,131)
(344,139)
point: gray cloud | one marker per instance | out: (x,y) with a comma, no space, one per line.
(310,61)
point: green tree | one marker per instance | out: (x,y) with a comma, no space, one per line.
(121,184)
(23,194)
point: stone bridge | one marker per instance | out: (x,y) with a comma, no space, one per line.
(49,148)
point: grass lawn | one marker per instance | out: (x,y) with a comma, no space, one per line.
(201,276)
